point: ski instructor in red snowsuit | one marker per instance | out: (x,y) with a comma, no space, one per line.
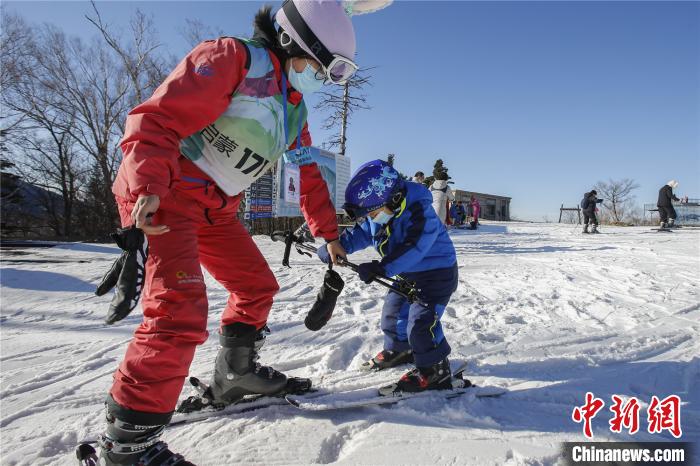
(220,120)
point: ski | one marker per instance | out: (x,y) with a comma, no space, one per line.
(388,395)
(247,404)
(203,400)
(458,382)
(198,408)
(368,397)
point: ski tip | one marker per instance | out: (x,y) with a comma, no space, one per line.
(292,401)
(298,386)
(391,391)
(194,381)
(367,367)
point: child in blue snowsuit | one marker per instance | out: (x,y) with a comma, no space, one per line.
(413,244)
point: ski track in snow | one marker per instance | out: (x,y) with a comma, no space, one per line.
(540,309)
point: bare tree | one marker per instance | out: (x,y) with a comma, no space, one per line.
(89,85)
(342,102)
(15,38)
(41,144)
(617,197)
(53,164)
(145,68)
(195,31)
(72,97)
(570,216)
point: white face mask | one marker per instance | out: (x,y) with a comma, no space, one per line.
(382,218)
(305,82)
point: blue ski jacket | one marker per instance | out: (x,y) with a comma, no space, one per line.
(414,240)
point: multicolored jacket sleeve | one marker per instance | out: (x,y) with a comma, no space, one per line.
(421,232)
(314,198)
(196,92)
(356,238)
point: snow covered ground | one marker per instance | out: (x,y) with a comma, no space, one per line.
(541,309)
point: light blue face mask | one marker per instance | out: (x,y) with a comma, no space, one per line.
(305,82)
(382,218)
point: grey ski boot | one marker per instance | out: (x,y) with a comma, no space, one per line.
(237,372)
(131,443)
(595,229)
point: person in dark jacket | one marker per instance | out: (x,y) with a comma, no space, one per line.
(589,203)
(667,213)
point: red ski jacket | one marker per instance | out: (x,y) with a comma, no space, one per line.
(197,92)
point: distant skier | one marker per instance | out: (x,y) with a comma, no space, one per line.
(476,211)
(667,213)
(458,212)
(589,207)
(462,210)
(402,225)
(419,177)
(442,194)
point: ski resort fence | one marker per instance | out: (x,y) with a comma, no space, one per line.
(688,212)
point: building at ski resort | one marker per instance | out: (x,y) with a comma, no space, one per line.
(493,207)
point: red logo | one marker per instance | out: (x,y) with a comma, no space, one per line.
(626,415)
(661,414)
(665,415)
(587,412)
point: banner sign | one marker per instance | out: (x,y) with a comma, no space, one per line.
(334,168)
(278,192)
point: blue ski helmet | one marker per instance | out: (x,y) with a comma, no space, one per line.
(374,185)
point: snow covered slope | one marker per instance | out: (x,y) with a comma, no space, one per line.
(541,309)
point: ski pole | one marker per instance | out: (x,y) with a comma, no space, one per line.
(402,288)
(289,238)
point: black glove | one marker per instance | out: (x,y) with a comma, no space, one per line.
(369,270)
(127,273)
(322,309)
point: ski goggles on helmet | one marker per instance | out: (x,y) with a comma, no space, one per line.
(339,71)
(335,68)
(354,211)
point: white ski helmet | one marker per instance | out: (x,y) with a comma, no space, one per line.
(324,31)
(673,184)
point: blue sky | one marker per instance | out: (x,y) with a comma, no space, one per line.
(533,100)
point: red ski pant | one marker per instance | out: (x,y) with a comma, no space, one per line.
(203,230)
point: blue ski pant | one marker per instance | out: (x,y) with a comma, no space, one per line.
(417,326)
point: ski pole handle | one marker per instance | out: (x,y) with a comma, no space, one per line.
(288,238)
(279,236)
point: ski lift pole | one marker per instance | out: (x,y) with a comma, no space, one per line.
(400,287)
